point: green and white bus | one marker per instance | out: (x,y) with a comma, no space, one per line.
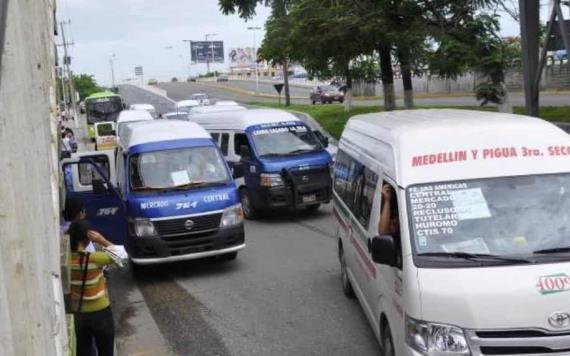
(100,107)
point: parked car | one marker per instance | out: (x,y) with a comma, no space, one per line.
(174,80)
(222,78)
(326,94)
(191,79)
(152,82)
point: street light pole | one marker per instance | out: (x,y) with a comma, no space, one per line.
(208,35)
(190,61)
(111,62)
(255,57)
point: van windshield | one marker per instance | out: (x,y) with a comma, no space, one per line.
(511,216)
(183,168)
(285,141)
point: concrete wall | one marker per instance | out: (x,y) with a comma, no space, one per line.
(31,308)
(554,77)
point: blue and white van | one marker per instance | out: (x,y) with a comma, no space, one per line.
(170,195)
(284,163)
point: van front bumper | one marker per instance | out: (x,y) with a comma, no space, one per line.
(154,250)
(284,197)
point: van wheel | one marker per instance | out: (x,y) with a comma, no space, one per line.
(313,207)
(229,256)
(247,206)
(387,342)
(346,286)
(313,102)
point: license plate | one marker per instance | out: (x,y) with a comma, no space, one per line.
(309,198)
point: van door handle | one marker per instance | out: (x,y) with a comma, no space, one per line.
(369,245)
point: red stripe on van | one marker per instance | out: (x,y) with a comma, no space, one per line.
(340,220)
(364,258)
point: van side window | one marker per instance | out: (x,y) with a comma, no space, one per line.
(87,173)
(389,223)
(215,136)
(224,143)
(240,139)
(355,185)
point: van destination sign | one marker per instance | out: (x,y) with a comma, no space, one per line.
(438,209)
(487,154)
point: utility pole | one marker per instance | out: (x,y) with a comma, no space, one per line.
(111,62)
(255,57)
(208,35)
(190,61)
(66,63)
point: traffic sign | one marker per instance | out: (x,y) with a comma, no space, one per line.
(139,70)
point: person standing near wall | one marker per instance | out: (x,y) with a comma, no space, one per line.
(89,295)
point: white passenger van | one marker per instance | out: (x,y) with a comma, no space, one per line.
(210,109)
(454,231)
(186,105)
(129,116)
(145,107)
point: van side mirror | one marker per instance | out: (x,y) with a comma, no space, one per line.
(383,250)
(237,170)
(99,187)
(322,138)
(244,151)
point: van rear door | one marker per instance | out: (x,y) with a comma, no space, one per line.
(89,177)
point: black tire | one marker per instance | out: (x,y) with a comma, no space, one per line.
(248,209)
(229,256)
(387,342)
(313,207)
(346,285)
(314,102)
(330,101)
(341,101)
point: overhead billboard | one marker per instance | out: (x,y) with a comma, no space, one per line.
(207,51)
(241,57)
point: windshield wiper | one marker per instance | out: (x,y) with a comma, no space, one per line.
(547,251)
(475,256)
(196,184)
(300,151)
(148,189)
(292,153)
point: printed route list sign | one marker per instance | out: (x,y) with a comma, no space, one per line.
(438,209)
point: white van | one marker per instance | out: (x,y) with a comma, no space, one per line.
(454,231)
(127,116)
(186,105)
(144,107)
(214,109)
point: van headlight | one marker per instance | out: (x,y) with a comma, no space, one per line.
(231,216)
(143,227)
(435,339)
(271,180)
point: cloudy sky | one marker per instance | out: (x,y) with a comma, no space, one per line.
(151,33)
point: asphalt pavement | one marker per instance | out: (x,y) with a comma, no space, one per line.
(243,91)
(281,296)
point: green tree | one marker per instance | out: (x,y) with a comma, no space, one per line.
(85,85)
(325,40)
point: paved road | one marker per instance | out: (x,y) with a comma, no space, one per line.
(282,296)
(183,90)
